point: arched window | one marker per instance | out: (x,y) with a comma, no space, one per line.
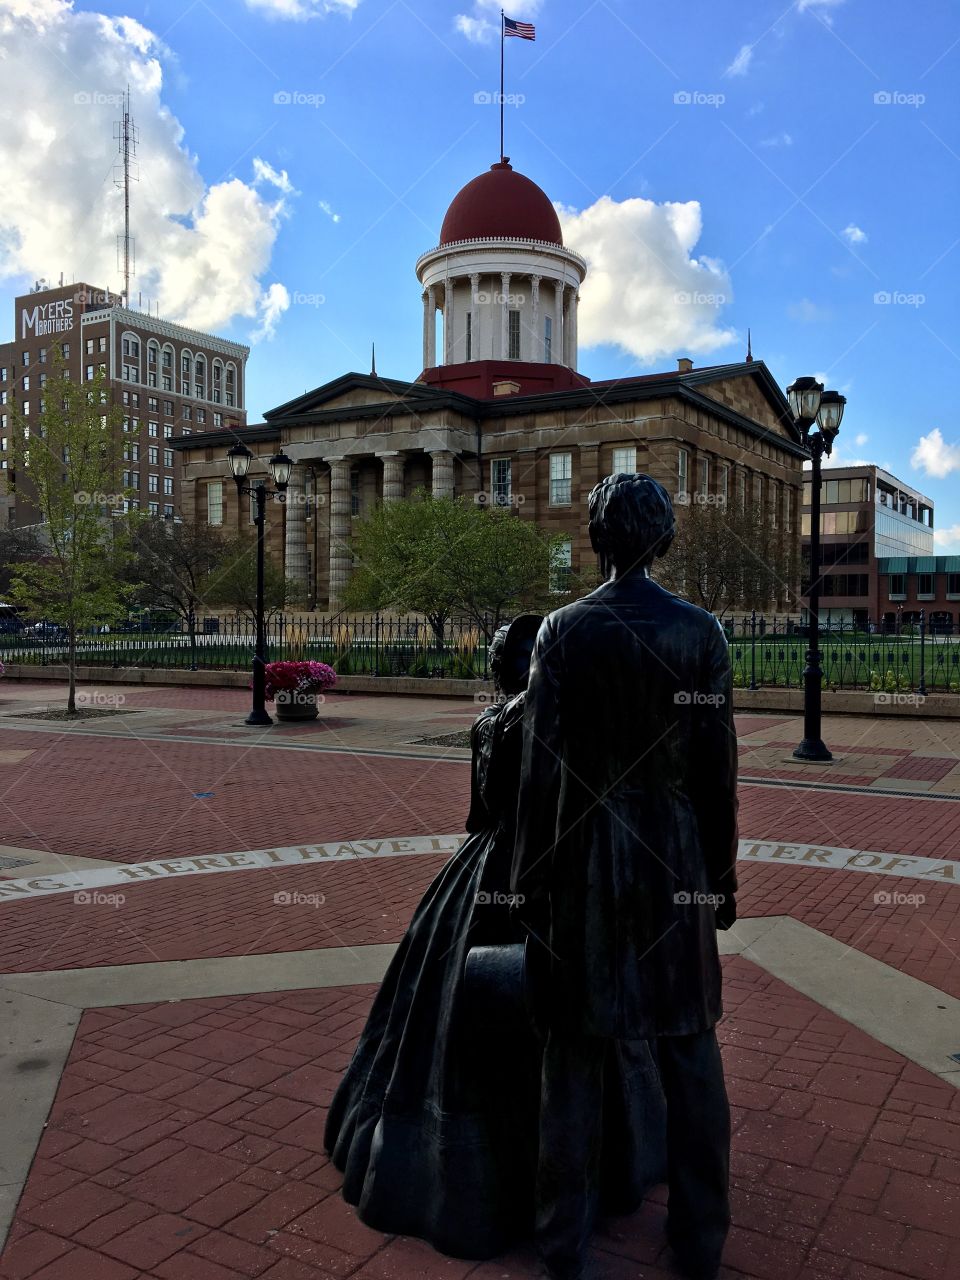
(130,357)
(200,378)
(186,372)
(230,388)
(217,394)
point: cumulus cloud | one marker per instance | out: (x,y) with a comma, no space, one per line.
(861,439)
(275,302)
(741,63)
(201,250)
(301,10)
(934,456)
(947,540)
(645,292)
(854,234)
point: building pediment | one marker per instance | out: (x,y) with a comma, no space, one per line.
(748,389)
(352,391)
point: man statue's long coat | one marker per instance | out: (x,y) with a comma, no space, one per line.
(627,822)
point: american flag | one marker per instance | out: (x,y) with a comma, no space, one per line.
(522,30)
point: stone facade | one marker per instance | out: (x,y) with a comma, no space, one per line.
(364,439)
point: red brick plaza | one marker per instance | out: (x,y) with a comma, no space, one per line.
(174,1036)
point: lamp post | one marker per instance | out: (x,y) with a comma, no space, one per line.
(818,414)
(240,457)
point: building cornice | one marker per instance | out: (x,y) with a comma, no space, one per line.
(129,319)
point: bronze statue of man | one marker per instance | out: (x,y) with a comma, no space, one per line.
(625,866)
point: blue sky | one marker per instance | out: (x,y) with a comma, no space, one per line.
(815,197)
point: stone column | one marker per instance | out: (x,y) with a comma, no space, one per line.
(475,322)
(295,550)
(341,557)
(448,321)
(572,328)
(537,352)
(442,486)
(556,349)
(429,328)
(392,476)
(504,314)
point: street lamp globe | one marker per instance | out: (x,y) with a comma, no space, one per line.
(239,458)
(829,417)
(804,397)
(280,467)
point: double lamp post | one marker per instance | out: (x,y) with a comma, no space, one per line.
(280,467)
(817,414)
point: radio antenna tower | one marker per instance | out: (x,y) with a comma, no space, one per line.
(127,135)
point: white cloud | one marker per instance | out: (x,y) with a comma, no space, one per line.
(274,303)
(783,139)
(947,540)
(854,234)
(201,250)
(934,456)
(807,312)
(818,4)
(326,207)
(301,10)
(644,292)
(483,25)
(861,439)
(741,63)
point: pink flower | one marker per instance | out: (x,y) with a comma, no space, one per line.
(298,677)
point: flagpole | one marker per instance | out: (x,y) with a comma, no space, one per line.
(501,86)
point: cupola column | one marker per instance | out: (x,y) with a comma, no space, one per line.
(572,328)
(557,344)
(448,320)
(429,328)
(537,340)
(504,314)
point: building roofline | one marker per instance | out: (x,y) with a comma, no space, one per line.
(167,329)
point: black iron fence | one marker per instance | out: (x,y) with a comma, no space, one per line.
(907,658)
(379,646)
(765,651)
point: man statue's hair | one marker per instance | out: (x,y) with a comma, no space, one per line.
(631,521)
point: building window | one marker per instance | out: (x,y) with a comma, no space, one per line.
(953,581)
(131,373)
(168,485)
(87,346)
(187,413)
(201,415)
(683,466)
(742,490)
(102,343)
(166,358)
(758,493)
(218,419)
(26,408)
(153,508)
(898,586)
(168,408)
(42,355)
(500,482)
(153,404)
(925,586)
(625,460)
(547,338)
(168,508)
(215,502)
(25,359)
(703,476)
(167,430)
(88,373)
(787,509)
(513,335)
(3,373)
(26,382)
(130,347)
(153,429)
(561,565)
(354,492)
(153,454)
(774,503)
(561,473)
(66,350)
(723,482)
(469,335)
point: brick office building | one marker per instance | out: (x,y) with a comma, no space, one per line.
(500,410)
(170,380)
(872,525)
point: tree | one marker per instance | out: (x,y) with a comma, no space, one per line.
(233,581)
(445,556)
(18,546)
(728,556)
(66,461)
(174,563)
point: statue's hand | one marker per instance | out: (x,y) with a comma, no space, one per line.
(726,912)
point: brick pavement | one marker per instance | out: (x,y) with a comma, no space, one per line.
(185,1143)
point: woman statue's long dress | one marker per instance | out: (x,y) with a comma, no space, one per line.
(434,1124)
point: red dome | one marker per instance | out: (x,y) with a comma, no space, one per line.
(501,203)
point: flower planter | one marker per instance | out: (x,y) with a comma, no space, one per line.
(292,705)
